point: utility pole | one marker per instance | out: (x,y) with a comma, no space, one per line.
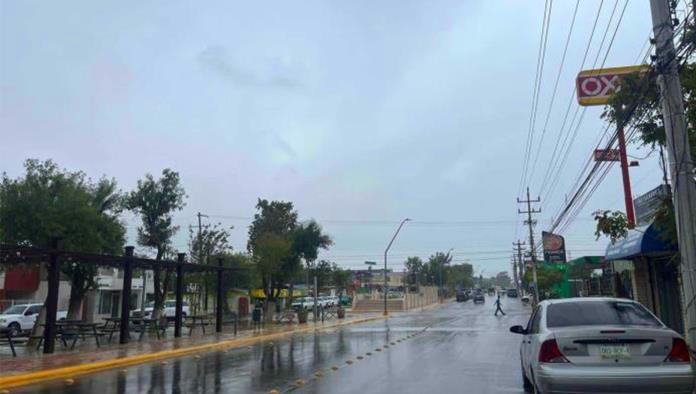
(518,249)
(681,163)
(514,271)
(530,222)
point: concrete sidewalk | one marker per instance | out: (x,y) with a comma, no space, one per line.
(34,367)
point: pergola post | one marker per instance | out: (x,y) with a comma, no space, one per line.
(124,333)
(52,299)
(220,296)
(179,312)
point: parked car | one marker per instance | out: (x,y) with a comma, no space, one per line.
(479,297)
(22,317)
(303,302)
(328,301)
(169,309)
(512,293)
(602,345)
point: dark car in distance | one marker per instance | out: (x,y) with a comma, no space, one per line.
(462,296)
(479,297)
(512,293)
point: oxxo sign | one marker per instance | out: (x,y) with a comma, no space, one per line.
(595,87)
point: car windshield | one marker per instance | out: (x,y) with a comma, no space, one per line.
(150,304)
(15,310)
(595,313)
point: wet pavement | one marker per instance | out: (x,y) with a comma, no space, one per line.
(460,347)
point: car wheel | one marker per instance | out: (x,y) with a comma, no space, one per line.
(526,383)
(15,329)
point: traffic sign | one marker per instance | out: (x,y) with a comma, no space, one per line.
(607,155)
(371,263)
(595,87)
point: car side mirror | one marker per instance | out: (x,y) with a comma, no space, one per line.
(518,330)
(28,313)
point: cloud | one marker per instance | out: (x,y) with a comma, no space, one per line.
(270,74)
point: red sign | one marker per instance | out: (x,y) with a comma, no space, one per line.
(595,87)
(607,155)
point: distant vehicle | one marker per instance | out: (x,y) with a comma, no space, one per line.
(462,296)
(602,345)
(512,293)
(306,303)
(22,317)
(328,301)
(169,310)
(479,297)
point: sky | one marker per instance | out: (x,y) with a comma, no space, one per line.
(361,113)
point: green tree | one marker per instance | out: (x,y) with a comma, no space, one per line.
(48,202)
(210,241)
(156,200)
(611,224)
(270,243)
(307,239)
(546,278)
(435,270)
(414,270)
(340,278)
(460,275)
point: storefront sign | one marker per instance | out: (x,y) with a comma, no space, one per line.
(647,204)
(554,247)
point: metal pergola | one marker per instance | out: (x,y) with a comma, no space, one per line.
(53,257)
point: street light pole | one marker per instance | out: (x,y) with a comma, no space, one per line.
(384,289)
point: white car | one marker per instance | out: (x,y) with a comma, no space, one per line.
(328,301)
(602,345)
(169,309)
(22,317)
(304,302)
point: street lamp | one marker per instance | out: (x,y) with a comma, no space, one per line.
(385,263)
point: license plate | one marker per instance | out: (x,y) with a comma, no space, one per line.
(614,351)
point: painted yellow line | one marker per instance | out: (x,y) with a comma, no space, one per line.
(82,369)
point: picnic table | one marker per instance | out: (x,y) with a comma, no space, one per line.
(74,330)
(139,324)
(202,320)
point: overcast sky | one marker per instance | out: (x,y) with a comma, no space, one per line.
(359,112)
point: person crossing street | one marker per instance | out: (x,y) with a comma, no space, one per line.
(498,306)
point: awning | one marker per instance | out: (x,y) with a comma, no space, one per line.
(641,241)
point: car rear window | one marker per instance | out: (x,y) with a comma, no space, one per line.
(598,313)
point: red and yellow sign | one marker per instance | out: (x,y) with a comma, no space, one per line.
(595,87)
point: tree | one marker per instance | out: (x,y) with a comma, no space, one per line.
(340,278)
(612,224)
(270,243)
(436,268)
(155,200)
(546,278)
(211,240)
(460,275)
(502,279)
(49,202)
(414,269)
(307,239)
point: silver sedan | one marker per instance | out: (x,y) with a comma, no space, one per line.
(602,345)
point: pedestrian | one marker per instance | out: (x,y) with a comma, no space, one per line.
(498,306)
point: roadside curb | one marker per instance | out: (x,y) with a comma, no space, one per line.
(24,379)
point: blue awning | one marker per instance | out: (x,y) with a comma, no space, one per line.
(641,241)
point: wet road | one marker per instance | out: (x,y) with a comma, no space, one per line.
(460,347)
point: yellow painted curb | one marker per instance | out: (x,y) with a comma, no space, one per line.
(82,369)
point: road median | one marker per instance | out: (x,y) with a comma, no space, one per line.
(28,378)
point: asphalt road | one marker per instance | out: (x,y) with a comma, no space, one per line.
(460,347)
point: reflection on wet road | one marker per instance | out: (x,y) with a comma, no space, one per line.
(461,347)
